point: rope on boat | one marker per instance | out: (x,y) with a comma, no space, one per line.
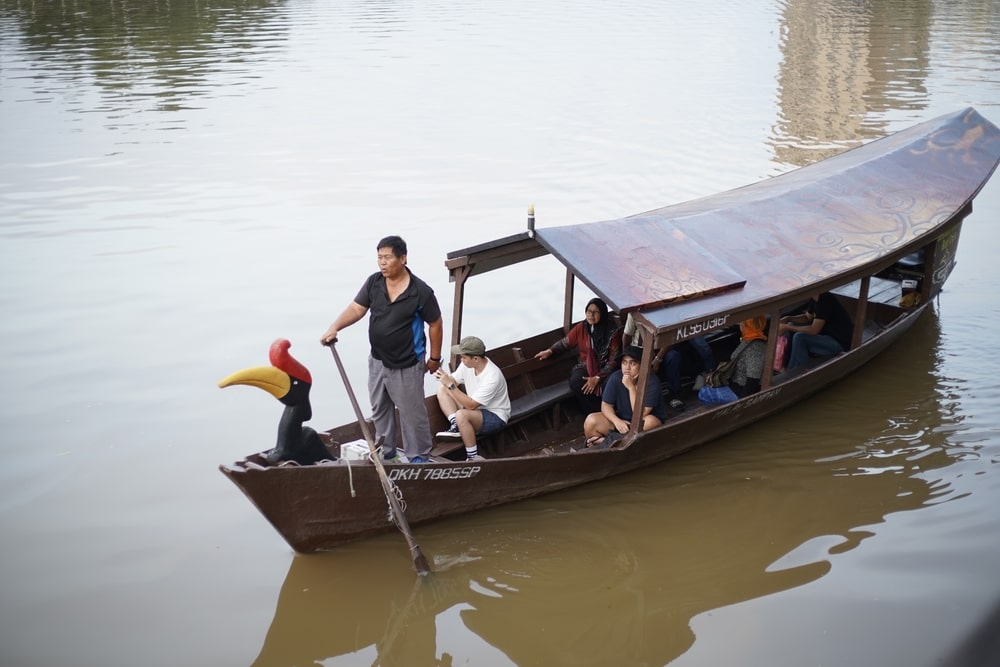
(399,495)
(402,504)
(350,478)
(396,491)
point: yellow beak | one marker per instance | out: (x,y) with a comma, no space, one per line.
(272,380)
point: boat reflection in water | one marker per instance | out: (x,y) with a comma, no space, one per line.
(614,572)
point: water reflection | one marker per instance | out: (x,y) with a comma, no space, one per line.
(619,614)
(909,457)
(842,67)
(559,577)
(141,55)
(321,613)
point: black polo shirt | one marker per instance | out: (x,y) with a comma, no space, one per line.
(396,329)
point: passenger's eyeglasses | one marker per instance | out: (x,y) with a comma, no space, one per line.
(593,312)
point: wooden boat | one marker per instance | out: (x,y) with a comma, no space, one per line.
(858,224)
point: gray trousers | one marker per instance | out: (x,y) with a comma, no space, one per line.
(399,388)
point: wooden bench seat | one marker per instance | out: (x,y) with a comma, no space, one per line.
(538,401)
(534,388)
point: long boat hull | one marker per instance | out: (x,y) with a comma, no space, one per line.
(319,507)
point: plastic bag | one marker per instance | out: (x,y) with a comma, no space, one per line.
(779,354)
(716,395)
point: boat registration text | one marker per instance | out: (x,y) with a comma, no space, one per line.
(433,474)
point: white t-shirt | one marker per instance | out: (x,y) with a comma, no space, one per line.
(489,388)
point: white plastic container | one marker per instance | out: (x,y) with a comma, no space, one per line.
(356,450)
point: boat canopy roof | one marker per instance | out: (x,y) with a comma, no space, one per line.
(790,234)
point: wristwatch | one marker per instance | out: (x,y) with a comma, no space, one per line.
(435,359)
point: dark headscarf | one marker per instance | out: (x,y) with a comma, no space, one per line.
(601,333)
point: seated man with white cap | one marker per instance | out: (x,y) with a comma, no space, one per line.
(484,405)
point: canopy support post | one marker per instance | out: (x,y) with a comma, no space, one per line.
(460,275)
(568,302)
(772,343)
(861,312)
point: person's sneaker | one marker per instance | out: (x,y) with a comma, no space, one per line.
(677,404)
(476,457)
(419,459)
(396,458)
(452,432)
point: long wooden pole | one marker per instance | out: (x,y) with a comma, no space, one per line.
(419,562)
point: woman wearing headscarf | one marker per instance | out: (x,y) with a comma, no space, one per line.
(598,339)
(740,376)
(750,364)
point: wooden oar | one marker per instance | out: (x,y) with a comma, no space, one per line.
(419,562)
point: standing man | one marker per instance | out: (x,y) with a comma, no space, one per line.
(484,407)
(401,304)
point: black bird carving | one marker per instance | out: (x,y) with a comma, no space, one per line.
(288,381)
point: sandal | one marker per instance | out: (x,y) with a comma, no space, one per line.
(592,441)
(609,440)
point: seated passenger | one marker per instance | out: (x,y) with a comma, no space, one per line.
(741,375)
(670,371)
(825,329)
(618,401)
(673,361)
(483,407)
(598,339)
(750,363)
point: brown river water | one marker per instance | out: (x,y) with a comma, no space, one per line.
(182,182)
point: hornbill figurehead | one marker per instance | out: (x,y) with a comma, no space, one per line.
(288,381)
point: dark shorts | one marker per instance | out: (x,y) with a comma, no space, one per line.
(491,423)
